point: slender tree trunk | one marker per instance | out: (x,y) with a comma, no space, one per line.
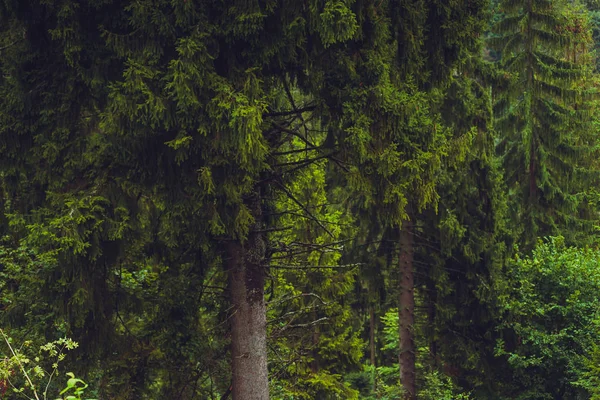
(3,210)
(249,321)
(372,333)
(406,311)
(314,365)
(530,87)
(431,315)
(372,344)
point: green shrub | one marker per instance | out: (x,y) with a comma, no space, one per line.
(25,373)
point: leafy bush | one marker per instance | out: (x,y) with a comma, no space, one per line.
(551,324)
(25,374)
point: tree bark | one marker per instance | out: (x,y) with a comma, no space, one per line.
(249,321)
(372,333)
(431,317)
(372,344)
(530,87)
(406,311)
(314,365)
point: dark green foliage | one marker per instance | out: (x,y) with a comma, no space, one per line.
(133,177)
(464,243)
(141,141)
(540,116)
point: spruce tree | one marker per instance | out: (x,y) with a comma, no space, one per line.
(168,111)
(108,255)
(463,244)
(539,112)
(389,130)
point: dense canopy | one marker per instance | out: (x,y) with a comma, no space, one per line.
(321,199)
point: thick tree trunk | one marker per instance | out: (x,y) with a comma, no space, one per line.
(406,311)
(249,322)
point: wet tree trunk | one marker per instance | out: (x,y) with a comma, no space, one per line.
(406,311)
(248,330)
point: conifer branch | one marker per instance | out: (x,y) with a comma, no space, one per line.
(285,228)
(295,210)
(293,133)
(294,314)
(288,92)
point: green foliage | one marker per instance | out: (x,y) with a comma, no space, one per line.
(590,378)
(384,379)
(550,325)
(135,137)
(312,330)
(337,23)
(542,119)
(33,376)
(74,385)
(438,387)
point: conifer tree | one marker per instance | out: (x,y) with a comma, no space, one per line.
(462,244)
(163,162)
(108,253)
(545,152)
(392,134)
(173,106)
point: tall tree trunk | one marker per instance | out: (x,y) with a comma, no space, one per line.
(314,365)
(406,311)
(372,333)
(431,316)
(372,344)
(530,87)
(249,321)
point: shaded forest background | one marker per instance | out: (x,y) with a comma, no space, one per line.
(321,199)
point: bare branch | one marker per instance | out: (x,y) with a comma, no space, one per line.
(227,393)
(344,266)
(284,153)
(295,200)
(295,111)
(315,322)
(11,44)
(304,162)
